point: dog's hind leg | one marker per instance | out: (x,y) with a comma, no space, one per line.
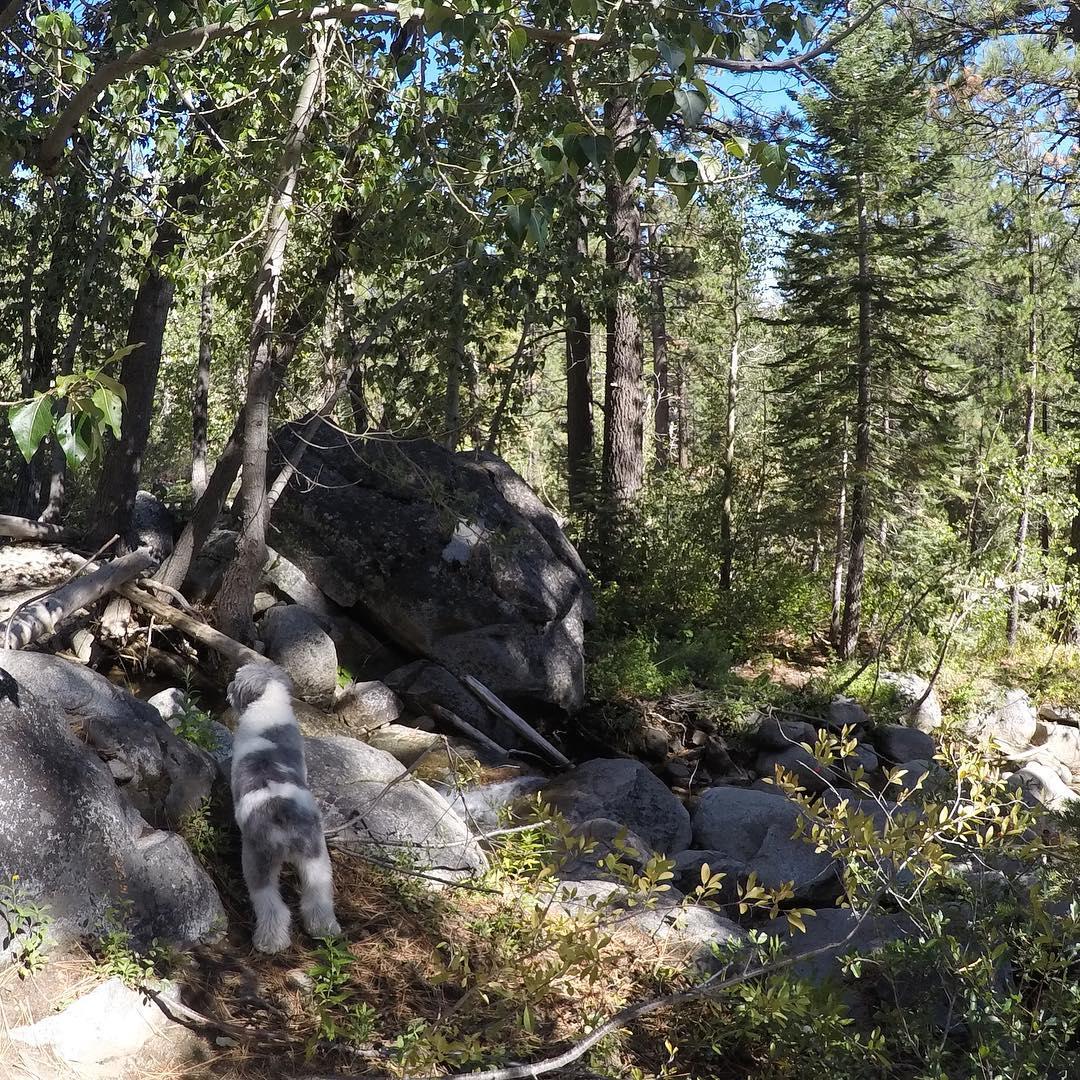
(262,869)
(317,891)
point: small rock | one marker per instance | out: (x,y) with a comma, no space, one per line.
(169,703)
(294,640)
(367,705)
(1062,745)
(846,712)
(831,927)
(609,839)
(625,791)
(298,979)
(264,601)
(404,743)
(652,743)
(688,866)
(914,771)
(109,1023)
(919,700)
(811,773)
(1059,714)
(898,743)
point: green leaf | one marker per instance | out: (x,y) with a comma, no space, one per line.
(517,42)
(642,59)
(658,109)
(626,162)
(76,450)
(674,56)
(738,147)
(111,408)
(518,219)
(585,10)
(693,105)
(30,423)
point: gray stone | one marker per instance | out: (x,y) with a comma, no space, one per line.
(773,733)
(1008,718)
(388,810)
(846,712)
(757,828)
(917,698)
(367,705)
(448,556)
(832,927)
(164,776)
(688,866)
(404,743)
(1061,744)
(898,743)
(296,642)
(1041,785)
(79,846)
(624,791)
(423,685)
(913,771)
(152,527)
(97,1031)
(610,839)
(1059,714)
(811,773)
(484,807)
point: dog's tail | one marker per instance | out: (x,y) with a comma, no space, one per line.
(285,823)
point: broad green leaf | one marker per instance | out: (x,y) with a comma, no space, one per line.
(30,423)
(517,41)
(674,55)
(72,440)
(693,105)
(111,408)
(658,109)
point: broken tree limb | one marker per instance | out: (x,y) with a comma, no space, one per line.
(42,616)
(470,732)
(19,528)
(194,628)
(522,726)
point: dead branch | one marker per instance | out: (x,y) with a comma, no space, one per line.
(522,726)
(19,528)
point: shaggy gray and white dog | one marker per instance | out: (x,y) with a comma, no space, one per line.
(278,818)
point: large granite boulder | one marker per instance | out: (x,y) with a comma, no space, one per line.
(449,556)
(368,799)
(622,790)
(296,642)
(78,845)
(757,829)
(164,776)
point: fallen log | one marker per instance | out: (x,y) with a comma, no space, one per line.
(522,726)
(498,752)
(20,528)
(228,647)
(41,616)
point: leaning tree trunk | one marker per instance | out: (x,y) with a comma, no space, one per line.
(579,417)
(729,440)
(1027,447)
(658,326)
(682,430)
(860,490)
(235,600)
(622,472)
(200,396)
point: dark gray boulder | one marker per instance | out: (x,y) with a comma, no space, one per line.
(898,743)
(449,556)
(622,790)
(79,846)
(388,811)
(296,642)
(757,828)
(163,775)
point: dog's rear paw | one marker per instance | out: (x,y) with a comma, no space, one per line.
(324,927)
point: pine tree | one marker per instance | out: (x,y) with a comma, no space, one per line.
(867,286)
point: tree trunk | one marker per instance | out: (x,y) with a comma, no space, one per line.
(579,417)
(139,369)
(1027,447)
(234,602)
(658,326)
(200,396)
(860,491)
(729,441)
(839,550)
(682,378)
(455,359)
(622,471)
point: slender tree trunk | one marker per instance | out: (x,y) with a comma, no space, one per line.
(860,491)
(1027,447)
(455,360)
(623,468)
(579,415)
(682,379)
(234,602)
(1071,609)
(839,550)
(1044,517)
(658,326)
(200,396)
(729,440)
